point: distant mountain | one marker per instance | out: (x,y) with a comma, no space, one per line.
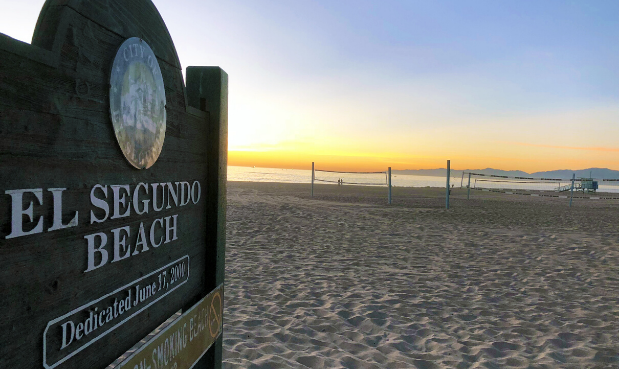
(458,173)
(597,173)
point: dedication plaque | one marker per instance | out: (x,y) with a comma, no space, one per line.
(107,231)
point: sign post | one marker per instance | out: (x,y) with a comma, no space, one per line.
(113,190)
(389,185)
(447,187)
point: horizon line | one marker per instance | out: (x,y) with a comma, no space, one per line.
(451,169)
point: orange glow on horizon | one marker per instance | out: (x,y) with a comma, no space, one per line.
(605,149)
(303,160)
(544,141)
(295,160)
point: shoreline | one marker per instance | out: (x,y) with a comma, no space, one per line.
(456,190)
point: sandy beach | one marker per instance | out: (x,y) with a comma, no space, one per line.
(343,280)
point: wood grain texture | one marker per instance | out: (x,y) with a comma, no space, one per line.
(207,88)
(57,133)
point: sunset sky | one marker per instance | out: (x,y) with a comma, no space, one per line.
(355,85)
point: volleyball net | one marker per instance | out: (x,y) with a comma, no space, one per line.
(343,178)
(544,187)
(351,178)
(501,182)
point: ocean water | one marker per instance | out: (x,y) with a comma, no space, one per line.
(398,180)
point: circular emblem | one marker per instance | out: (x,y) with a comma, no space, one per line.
(137,103)
(214,316)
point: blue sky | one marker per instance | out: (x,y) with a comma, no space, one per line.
(531,85)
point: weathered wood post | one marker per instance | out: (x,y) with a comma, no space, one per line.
(468,193)
(113,190)
(389,185)
(207,88)
(447,193)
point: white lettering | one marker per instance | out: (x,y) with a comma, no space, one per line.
(191,329)
(183,193)
(160,356)
(64,334)
(173,193)
(169,228)
(120,200)
(141,240)
(57,224)
(155,185)
(78,331)
(195,195)
(121,242)
(92,249)
(101,204)
(152,233)
(17,211)
(89,325)
(136,201)
(128,300)
(101,322)
(184,335)
(95,319)
(109,315)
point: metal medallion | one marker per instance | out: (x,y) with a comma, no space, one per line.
(137,103)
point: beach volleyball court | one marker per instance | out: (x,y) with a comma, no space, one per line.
(344,280)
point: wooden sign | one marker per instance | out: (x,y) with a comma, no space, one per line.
(112,186)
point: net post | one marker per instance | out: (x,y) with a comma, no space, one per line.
(312,179)
(572,190)
(389,184)
(462,179)
(447,193)
(468,194)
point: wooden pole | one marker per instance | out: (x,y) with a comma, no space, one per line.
(468,194)
(447,193)
(207,87)
(462,179)
(572,190)
(389,175)
(312,179)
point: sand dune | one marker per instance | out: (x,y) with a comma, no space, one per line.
(345,281)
